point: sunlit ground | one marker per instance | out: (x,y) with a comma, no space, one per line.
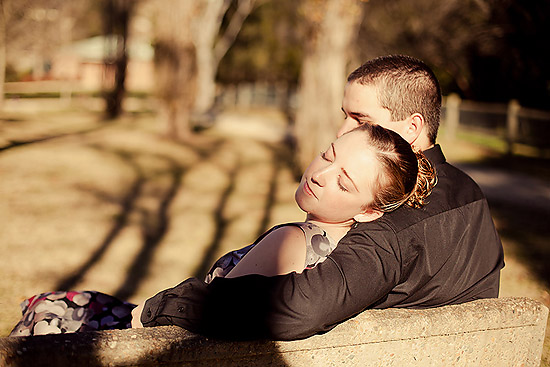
(117,207)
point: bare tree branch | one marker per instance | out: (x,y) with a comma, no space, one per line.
(244,8)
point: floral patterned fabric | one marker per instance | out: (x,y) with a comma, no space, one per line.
(67,312)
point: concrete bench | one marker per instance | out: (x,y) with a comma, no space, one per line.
(493,332)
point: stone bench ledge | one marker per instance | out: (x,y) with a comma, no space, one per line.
(491,332)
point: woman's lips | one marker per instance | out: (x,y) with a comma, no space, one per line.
(308,190)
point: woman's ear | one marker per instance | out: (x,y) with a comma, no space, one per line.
(368,215)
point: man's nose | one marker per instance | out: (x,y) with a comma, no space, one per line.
(348,125)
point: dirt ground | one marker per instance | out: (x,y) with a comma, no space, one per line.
(117,207)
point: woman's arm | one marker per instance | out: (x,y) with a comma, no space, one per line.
(136,314)
(282,251)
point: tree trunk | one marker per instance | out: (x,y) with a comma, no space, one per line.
(205,38)
(117,15)
(332,28)
(175,64)
(211,48)
(186,30)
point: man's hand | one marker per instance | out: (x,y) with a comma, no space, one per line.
(136,316)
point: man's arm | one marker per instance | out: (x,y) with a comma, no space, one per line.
(292,306)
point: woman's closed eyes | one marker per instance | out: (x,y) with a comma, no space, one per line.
(329,156)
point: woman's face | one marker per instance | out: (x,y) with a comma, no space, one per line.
(338,183)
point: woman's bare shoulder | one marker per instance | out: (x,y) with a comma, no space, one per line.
(282,251)
(283,234)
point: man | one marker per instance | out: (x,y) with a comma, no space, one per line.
(448,252)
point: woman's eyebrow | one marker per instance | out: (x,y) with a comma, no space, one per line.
(348,176)
(343,169)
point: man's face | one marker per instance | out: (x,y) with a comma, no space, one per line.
(360,106)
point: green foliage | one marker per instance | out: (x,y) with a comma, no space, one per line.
(268,47)
(491,142)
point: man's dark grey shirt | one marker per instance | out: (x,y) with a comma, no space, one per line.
(447,252)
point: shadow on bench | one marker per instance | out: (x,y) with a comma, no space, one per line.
(492,332)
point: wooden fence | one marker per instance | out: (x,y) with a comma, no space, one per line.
(511,122)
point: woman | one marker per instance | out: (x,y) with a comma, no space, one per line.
(362,175)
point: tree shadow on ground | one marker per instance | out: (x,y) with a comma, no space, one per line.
(527,228)
(19,143)
(533,166)
(157,346)
(154,223)
(281,158)
(220,224)
(126,203)
(154,226)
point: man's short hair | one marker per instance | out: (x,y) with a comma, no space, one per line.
(405,86)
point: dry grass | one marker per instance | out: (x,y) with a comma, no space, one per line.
(117,207)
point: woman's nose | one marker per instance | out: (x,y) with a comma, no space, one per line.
(315,180)
(319,176)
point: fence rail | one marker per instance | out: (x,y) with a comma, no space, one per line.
(511,122)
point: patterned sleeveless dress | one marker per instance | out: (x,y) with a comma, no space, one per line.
(77,311)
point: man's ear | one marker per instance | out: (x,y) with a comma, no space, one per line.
(413,129)
(368,215)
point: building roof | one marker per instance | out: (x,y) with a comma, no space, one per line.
(98,48)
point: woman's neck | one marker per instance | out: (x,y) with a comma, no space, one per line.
(335,230)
